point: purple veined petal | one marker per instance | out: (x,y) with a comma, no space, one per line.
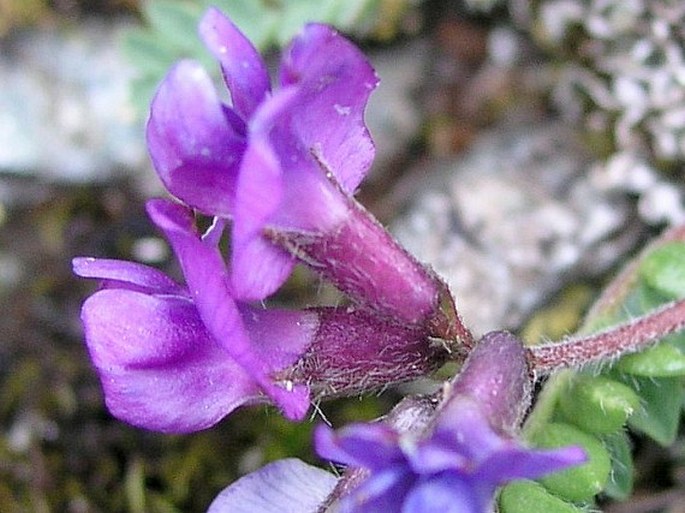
(445,493)
(383,491)
(521,463)
(207,280)
(280,181)
(371,446)
(193,141)
(336,80)
(283,486)
(159,367)
(243,68)
(433,457)
(464,427)
(205,274)
(258,268)
(124,274)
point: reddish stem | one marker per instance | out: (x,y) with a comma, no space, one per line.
(630,337)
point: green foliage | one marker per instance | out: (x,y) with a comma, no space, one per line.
(664,269)
(620,485)
(662,401)
(527,496)
(597,404)
(642,391)
(584,481)
(662,361)
(170,31)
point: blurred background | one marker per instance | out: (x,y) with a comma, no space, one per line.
(525,149)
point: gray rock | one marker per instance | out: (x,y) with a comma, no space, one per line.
(65,113)
(393,115)
(514,220)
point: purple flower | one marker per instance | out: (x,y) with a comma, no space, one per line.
(283,165)
(456,469)
(258,161)
(457,463)
(179,359)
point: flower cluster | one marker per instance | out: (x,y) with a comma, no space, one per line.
(277,169)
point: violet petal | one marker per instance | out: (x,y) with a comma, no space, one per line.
(194,147)
(464,426)
(207,281)
(336,80)
(371,446)
(279,337)
(243,69)
(283,486)
(444,494)
(159,367)
(385,491)
(258,267)
(124,274)
(521,463)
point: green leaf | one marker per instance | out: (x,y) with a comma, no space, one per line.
(620,485)
(663,360)
(145,52)
(664,269)
(175,24)
(582,482)
(640,300)
(662,401)
(597,404)
(528,496)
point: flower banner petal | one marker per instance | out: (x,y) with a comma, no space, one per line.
(335,80)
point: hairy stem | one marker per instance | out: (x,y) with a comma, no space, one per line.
(630,337)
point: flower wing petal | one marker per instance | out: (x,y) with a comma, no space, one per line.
(372,446)
(258,267)
(194,141)
(518,462)
(208,282)
(124,274)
